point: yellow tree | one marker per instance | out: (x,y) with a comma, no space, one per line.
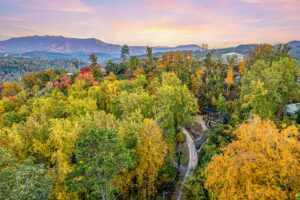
(151,150)
(109,91)
(191,56)
(214,101)
(186,56)
(263,163)
(10,89)
(164,61)
(59,147)
(242,67)
(196,81)
(111,77)
(229,78)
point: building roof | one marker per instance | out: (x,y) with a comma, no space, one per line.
(231,54)
(291,109)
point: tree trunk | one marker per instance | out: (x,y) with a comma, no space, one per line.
(179,156)
(280,109)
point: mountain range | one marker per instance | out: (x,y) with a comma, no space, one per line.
(60,44)
(62,47)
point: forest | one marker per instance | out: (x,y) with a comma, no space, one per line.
(14,67)
(113,131)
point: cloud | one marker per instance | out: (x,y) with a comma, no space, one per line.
(253,20)
(157,22)
(251,1)
(75,6)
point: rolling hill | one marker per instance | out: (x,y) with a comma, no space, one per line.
(60,44)
(295,51)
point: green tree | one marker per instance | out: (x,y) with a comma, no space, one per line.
(269,53)
(194,186)
(23,181)
(133,62)
(93,58)
(100,156)
(131,102)
(174,104)
(267,89)
(180,138)
(117,69)
(149,54)
(95,67)
(124,52)
(209,58)
(221,106)
(298,116)
(76,63)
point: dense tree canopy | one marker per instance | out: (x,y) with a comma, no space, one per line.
(267,89)
(105,132)
(100,155)
(262,163)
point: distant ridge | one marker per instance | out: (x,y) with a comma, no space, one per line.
(60,44)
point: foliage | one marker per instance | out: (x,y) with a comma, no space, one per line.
(261,163)
(23,181)
(131,102)
(194,186)
(218,137)
(134,112)
(267,89)
(177,102)
(229,78)
(150,151)
(222,108)
(298,116)
(149,54)
(14,67)
(10,89)
(124,52)
(269,53)
(100,155)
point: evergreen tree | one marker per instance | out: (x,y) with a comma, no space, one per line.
(149,54)
(100,155)
(124,53)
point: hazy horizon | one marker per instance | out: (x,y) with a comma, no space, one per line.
(145,45)
(218,23)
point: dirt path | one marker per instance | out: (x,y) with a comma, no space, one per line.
(193,160)
(202,122)
(193,156)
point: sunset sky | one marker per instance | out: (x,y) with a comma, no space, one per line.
(219,23)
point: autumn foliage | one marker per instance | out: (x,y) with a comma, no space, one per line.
(63,83)
(263,163)
(150,150)
(229,79)
(10,89)
(113,132)
(87,77)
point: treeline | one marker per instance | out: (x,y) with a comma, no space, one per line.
(111,132)
(13,68)
(90,135)
(255,153)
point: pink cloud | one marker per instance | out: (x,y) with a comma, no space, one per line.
(160,22)
(76,6)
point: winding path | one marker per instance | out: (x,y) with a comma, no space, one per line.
(193,160)
(193,156)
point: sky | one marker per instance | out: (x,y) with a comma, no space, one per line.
(219,23)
